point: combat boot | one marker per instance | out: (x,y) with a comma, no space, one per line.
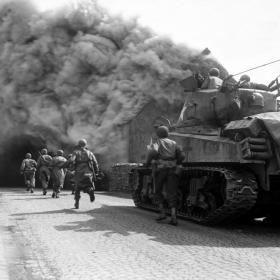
(53,195)
(91,195)
(44,192)
(162,214)
(76,205)
(173,220)
(31,190)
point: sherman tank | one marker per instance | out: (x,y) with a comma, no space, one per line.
(230,138)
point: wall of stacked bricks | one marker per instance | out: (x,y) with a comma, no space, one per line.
(119,177)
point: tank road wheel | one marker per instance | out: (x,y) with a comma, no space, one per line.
(216,195)
(208,195)
(141,183)
(180,198)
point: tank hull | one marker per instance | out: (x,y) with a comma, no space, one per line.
(219,182)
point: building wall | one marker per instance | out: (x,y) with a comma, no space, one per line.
(117,152)
(141,128)
(138,132)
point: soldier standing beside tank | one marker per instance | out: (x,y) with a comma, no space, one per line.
(58,173)
(28,169)
(165,158)
(86,169)
(43,165)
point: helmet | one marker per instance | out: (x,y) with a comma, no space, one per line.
(214,72)
(162,131)
(82,143)
(59,153)
(44,151)
(245,78)
(28,155)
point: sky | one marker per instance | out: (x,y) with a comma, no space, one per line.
(241,34)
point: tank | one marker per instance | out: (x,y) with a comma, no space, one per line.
(230,138)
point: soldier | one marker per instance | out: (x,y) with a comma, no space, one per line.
(28,169)
(43,165)
(86,169)
(212,81)
(69,177)
(165,157)
(58,173)
(245,82)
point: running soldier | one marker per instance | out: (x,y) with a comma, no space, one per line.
(43,165)
(165,156)
(28,169)
(58,173)
(86,169)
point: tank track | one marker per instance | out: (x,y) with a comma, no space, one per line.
(240,194)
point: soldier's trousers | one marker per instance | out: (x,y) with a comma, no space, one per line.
(44,176)
(166,179)
(78,190)
(58,177)
(29,178)
(84,182)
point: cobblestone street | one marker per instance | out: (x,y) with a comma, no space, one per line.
(45,238)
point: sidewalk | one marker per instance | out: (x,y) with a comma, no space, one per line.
(3,264)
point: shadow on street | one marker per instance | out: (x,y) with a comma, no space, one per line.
(127,220)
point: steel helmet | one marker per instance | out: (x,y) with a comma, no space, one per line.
(28,155)
(214,72)
(59,153)
(245,78)
(162,131)
(82,143)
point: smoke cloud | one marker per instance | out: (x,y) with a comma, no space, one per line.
(79,72)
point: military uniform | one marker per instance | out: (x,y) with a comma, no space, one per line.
(165,162)
(213,81)
(28,169)
(58,173)
(86,168)
(70,174)
(43,164)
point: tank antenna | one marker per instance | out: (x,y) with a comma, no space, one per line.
(169,123)
(271,62)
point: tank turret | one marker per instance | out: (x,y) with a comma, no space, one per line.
(213,107)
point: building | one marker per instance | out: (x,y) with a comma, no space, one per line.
(136,131)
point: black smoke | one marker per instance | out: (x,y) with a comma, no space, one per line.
(78,72)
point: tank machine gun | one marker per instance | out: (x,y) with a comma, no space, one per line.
(230,138)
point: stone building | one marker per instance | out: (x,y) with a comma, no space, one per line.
(137,130)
